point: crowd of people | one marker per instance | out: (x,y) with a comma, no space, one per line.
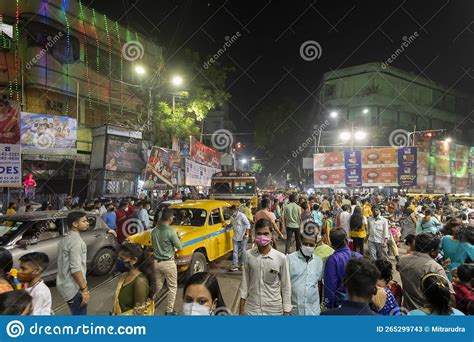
(297,254)
(346,262)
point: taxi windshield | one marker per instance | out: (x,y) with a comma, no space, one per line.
(189,217)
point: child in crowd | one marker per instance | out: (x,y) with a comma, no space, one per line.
(462,277)
(32,266)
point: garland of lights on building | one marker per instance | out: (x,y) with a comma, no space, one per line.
(68,53)
(94,23)
(86,55)
(110,66)
(17,57)
(121,68)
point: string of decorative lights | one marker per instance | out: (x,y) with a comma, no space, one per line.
(68,52)
(94,24)
(17,46)
(86,55)
(121,67)
(110,62)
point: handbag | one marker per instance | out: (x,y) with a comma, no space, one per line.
(147,309)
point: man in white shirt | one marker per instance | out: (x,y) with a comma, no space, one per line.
(306,271)
(345,218)
(266,285)
(378,234)
(241,226)
(32,266)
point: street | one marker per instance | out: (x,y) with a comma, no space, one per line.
(103,288)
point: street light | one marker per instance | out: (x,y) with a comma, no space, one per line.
(334,114)
(177,80)
(448,140)
(253,158)
(360,135)
(345,136)
(244,161)
(140,70)
(365,111)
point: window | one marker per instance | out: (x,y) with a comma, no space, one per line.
(92,222)
(189,217)
(215,217)
(42,231)
(329,91)
(39,35)
(244,187)
(222,187)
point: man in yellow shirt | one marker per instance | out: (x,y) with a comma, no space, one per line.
(366,208)
(247,211)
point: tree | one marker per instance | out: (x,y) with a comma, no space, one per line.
(256,168)
(205,91)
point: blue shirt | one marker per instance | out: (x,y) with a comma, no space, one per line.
(457,251)
(334,273)
(317,217)
(432,226)
(145,218)
(391,307)
(419,312)
(304,277)
(110,219)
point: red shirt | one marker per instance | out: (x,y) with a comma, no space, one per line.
(464,296)
(122,217)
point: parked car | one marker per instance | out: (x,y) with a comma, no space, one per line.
(41,231)
(205,232)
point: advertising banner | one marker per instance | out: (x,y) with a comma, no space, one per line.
(353,165)
(329,161)
(386,156)
(48,134)
(376,176)
(197,174)
(470,171)
(430,184)
(162,169)
(329,179)
(10,165)
(205,155)
(407,166)
(9,122)
(123,154)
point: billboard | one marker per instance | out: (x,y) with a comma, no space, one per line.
(197,174)
(123,154)
(10,165)
(353,166)
(162,169)
(331,160)
(407,164)
(9,122)
(204,155)
(48,134)
(386,156)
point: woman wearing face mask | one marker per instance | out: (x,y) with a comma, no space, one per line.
(202,295)
(136,287)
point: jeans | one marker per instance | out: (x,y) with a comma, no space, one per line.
(358,245)
(243,249)
(377,251)
(289,234)
(75,305)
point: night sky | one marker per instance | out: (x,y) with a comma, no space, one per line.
(266,57)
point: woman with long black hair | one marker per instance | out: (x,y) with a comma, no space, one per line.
(202,296)
(435,288)
(358,225)
(136,287)
(6,264)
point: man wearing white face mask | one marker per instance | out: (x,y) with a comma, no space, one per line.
(306,271)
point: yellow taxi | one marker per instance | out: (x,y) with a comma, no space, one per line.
(204,229)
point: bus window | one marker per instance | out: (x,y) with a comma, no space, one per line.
(244,187)
(222,188)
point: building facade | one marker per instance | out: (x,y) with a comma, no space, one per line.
(380,100)
(60,57)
